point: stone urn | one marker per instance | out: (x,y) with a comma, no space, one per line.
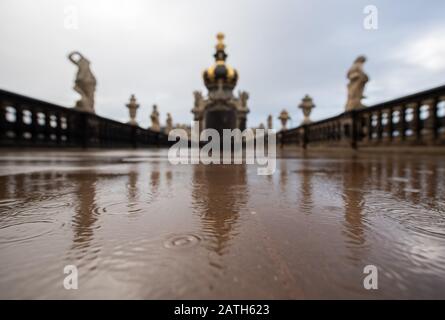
(284,117)
(306,106)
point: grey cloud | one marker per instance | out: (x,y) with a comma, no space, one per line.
(158,49)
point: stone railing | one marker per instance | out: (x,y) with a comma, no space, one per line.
(28,122)
(417,119)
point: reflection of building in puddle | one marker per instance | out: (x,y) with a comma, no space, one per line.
(219,193)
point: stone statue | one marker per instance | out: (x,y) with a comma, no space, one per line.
(85,83)
(132,107)
(155,119)
(169,123)
(284,117)
(269,122)
(198,99)
(306,106)
(243,96)
(357,81)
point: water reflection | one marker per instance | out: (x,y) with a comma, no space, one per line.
(219,194)
(306,199)
(138,229)
(353,189)
(85,209)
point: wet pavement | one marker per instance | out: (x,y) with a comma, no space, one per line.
(138,227)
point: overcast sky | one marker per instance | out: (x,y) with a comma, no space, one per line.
(282,50)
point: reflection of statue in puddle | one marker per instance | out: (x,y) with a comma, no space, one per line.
(219,193)
(306,202)
(283,177)
(154,181)
(353,185)
(132,189)
(85,208)
(169,177)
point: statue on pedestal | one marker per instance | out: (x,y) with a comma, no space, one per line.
(169,123)
(155,119)
(85,83)
(306,106)
(132,107)
(269,122)
(357,81)
(243,97)
(284,117)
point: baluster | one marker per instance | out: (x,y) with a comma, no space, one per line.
(2,121)
(369,127)
(416,120)
(390,126)
(379,126)
(431,123)
(19,128)
(402,123)
(58,128)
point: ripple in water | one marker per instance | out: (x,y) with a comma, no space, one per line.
(19,232)
(120,208)
(182,241)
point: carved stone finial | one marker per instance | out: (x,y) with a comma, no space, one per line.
(306,106)
(132,108)
(220,45)
(284,117)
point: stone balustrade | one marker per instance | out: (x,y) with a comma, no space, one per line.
(417,119)
(28,122)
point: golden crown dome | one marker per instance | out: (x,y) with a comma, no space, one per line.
(220,72)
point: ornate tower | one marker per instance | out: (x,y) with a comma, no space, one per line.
(220,109)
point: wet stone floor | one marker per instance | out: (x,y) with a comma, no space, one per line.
(136,226)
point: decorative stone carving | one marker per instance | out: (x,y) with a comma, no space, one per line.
(284,117)
(132,107)
(306,106)
(155,119)
(85,83)
(169,123)
(269,122)
(243,97)
(356,86)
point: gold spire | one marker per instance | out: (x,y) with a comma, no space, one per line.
(220,45)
